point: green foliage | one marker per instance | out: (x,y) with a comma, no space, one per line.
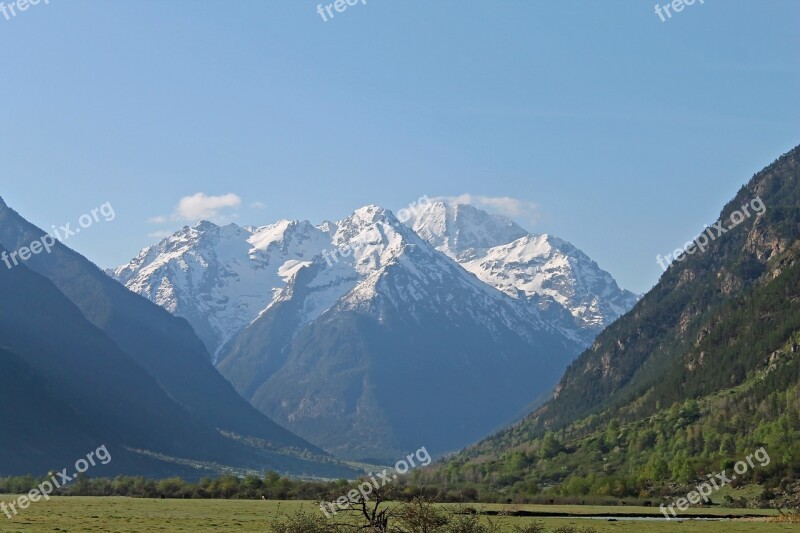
(469,523)
(550,446)
(271,487)
(533,527)
(420,516)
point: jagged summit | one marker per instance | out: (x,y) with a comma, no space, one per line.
(540,268)
(463,231)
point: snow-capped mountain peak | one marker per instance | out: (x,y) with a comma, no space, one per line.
(377,304)
(463,231)
(540,268)
(221,277)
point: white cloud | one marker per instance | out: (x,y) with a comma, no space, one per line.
(201,206)
(521,211)
(258,205)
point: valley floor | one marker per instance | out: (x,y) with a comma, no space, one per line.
(129,515)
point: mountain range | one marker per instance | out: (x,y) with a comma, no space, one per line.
(370,336)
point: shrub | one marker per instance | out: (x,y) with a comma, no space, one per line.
(469,523)
(533,527)
(301,522)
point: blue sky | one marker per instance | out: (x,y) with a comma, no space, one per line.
(595,121)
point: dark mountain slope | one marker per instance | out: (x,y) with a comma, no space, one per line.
(68,388)
(162,344)
(37,427)
(115,399)
(42,431)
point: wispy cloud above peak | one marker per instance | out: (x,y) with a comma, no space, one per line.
(201,206)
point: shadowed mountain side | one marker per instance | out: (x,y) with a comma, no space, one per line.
(162,344)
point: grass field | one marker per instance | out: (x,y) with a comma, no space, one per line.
(130,515)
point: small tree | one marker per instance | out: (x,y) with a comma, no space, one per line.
(420,516)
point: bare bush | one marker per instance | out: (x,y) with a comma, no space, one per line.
(533,527)
(302,522)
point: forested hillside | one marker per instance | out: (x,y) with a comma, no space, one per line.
(704,370)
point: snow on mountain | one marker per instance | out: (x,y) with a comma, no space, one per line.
(539,268)
(352,275)
(221,278)
(547,266)
(384,243)
(462,231)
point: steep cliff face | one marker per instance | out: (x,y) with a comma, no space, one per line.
(662,348)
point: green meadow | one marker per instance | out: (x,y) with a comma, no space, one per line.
(131,515)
